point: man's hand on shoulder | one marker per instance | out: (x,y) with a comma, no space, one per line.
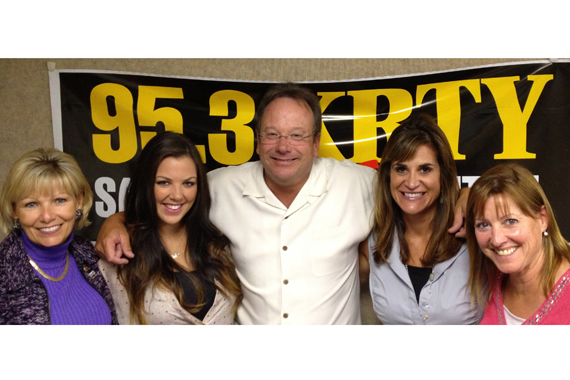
(113,241)
(458,227)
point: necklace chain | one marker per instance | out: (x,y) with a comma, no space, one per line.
(36,267)
(177,254)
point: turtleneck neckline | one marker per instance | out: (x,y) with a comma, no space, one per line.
(54,255)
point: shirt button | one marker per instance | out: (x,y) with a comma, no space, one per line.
(284,247)
(285,282)
(285,315)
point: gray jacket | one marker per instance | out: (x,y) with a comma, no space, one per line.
(446,300)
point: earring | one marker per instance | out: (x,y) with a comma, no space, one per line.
(17,224)
(440,199)
(545,233)
(78,214)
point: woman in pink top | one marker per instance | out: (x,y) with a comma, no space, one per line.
(520,263)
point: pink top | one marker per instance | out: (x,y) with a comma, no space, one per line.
(554,311)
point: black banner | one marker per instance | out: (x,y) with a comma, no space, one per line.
(491,114)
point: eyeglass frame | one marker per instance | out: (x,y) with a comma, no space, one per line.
(288,138)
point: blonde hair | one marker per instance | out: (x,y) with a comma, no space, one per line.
(514,182)
(40,171)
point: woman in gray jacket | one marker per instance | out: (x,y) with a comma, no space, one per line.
(418,270)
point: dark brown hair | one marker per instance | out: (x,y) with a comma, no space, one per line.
(292,91)
(207,246)
(402,145)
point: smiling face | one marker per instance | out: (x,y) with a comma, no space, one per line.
(175,189)
(47,219)
(511,239)
(415,183)
(287,166)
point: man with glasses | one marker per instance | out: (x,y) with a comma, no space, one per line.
(294,220)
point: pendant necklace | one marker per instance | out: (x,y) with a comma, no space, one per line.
(177,254)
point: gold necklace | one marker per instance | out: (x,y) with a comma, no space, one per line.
(36,267)
(176,254)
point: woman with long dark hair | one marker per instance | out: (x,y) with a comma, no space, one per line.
(418,270)
(182,272)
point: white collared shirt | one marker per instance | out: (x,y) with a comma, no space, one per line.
(297,265)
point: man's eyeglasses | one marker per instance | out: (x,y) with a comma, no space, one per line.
(273,137)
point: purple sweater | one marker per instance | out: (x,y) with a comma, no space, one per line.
(26,299)
(72,300)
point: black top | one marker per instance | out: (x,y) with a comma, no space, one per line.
(190,297)
(419,277)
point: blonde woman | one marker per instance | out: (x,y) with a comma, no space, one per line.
(520,263)
(49,274)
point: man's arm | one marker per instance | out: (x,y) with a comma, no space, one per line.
(460,212)
(113,240)
(364,265)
